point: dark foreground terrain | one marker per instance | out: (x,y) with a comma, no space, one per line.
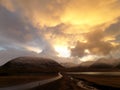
(63,84)
(24,70)
(12,80)
(68,82)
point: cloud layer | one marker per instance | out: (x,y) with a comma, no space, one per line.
(41,25)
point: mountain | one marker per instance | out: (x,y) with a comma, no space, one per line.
(101,66)
(86,64)
(6,55)
(104,63)
(30,65)
(118,66)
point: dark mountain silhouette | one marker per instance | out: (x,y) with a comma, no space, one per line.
(102,64)
(118,66)
(86,64)
(30,65)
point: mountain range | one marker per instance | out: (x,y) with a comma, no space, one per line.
(45,65)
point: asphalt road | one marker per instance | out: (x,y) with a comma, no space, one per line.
(33,84)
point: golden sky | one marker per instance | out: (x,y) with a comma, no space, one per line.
(62,23)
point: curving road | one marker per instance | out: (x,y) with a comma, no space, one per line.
(32,84)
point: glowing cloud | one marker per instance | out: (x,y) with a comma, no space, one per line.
(60,24)
(62,51)
(89,58)
(87,13)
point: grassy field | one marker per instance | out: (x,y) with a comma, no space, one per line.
(11,80)
(112,81)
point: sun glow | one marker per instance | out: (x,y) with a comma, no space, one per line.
(62,51)
(89,58)
(87,51)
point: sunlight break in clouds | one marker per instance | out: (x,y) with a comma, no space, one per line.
(54,26)
(62,51)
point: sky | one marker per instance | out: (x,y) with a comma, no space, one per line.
(61,28)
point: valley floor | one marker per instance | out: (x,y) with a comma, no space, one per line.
(68,82)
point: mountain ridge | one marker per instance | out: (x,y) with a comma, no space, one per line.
(30,65)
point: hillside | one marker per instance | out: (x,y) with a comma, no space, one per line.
(99,65)
(30,65)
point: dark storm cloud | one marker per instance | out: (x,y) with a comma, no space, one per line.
(99,41)
(48,23)
(17,32)
(114,30)
(12,26)
(96,43)
(79,49)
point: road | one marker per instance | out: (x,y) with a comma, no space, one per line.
(33,84)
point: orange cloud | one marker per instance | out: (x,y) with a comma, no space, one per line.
(64,22)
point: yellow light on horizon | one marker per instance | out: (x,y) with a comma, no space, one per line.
(89,58)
